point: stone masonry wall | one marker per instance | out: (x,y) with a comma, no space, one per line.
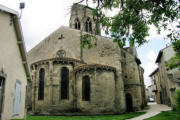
(102,94)
(131,77)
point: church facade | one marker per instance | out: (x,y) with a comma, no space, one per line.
(105,79)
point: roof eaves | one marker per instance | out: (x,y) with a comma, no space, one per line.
(159,56)
(154,72)
(21,45)
(8,10)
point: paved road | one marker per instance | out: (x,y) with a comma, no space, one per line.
(154,110)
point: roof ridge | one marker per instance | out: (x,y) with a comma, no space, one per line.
(43,40)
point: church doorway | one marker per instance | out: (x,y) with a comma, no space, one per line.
(129,104)
(2,80)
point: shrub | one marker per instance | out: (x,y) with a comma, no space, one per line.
(177,102)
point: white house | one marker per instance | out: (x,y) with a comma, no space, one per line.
(14,70)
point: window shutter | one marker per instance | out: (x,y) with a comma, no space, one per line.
(17,98)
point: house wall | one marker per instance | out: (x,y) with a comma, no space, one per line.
(11,61)
(167,84)
(157,82)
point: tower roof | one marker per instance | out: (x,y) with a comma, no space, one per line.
(81,5)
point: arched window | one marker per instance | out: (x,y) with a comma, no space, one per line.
(41,84)
(77,24)
(129,103)
(88,25)
(86,88)
(64,83)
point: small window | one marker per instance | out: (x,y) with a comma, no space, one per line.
(88,25)
(86,88)
(124,54)
(61,53)
(64,83)
(77,24)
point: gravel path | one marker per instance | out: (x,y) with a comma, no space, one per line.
(152,111)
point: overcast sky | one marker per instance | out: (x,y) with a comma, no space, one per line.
(41,17)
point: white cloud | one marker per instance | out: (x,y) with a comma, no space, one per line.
(41,17)
(154,35)
(149,67)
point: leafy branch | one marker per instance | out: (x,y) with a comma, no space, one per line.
(88,41)
(132,21)
(174,62)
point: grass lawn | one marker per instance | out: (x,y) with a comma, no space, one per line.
(169,115)
(105,117)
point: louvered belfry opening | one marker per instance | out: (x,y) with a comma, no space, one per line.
(77,24)
(88,25)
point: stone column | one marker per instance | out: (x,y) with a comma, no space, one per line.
(51,82)
(120,96)
(33,99)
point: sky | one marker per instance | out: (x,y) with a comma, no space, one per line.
(41,17)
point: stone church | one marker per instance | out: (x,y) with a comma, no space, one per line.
(105,79)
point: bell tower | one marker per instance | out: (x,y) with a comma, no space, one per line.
(83,19)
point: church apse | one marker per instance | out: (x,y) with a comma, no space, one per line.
(102,88)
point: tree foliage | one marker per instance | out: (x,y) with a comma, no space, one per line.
(177,101)
(134,17)
(174,62)
(88,41)
(176,46)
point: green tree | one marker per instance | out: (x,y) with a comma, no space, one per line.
(174,62)
(177,102)
(133,18)
(131,21)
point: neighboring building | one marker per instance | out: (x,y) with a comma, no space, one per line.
(147,94)
(165,81)
(150,90)
(156,83)
(14,71)
(103,79)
